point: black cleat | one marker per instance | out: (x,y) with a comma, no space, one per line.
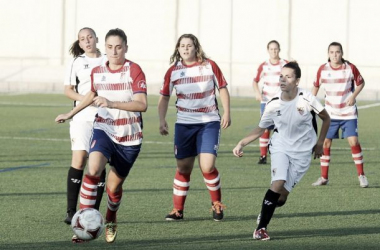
(217,210)
(69,216)
(175,215)
(262,160)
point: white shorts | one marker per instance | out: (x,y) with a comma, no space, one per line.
(80,135)
(291,170)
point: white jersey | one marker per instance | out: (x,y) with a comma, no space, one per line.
(123,127)
(270,75)
(294,133)
(195,88)
(78,74)
(339,84)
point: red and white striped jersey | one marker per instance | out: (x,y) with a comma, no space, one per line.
(270,75)
(123,127)
(78,74)
(339,84)
(195,88)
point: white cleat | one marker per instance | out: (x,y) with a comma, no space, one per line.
(363,181)
(320,182)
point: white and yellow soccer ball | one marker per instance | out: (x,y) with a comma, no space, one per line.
(87,224)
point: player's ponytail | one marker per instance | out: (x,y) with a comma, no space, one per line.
(75,49)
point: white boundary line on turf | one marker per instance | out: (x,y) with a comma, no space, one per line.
(170,107)
(144,142)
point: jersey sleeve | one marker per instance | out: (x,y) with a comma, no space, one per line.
(259,73)
(313,102)
(218,75)
(266,119)
(166,88)
(70,74)
(139,82)
(317,81)
(358,79)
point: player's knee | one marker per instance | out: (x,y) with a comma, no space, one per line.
(280,203)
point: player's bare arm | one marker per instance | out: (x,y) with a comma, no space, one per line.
(72,94)
(225,122)
(352,99)
(139,103)
(257,91)
(256,133)
(315,90)
(318,148)
(87,100)
(163,104)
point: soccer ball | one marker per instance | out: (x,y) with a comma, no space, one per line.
(87,224)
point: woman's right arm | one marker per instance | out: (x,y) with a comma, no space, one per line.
(163,104)
(86,101)
(72,94)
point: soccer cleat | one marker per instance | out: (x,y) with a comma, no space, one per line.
(217,210)
(76,240)
(175,215)
(262,160)
(261,234)
(258,219)
(320,182)
(111,232)
(363,181)
(69,216)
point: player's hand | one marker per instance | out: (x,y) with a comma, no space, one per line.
(351,101)
(225,122)
(102,102)
(318,150)
(62,118)
(258,97)
(238,150)
(164,128)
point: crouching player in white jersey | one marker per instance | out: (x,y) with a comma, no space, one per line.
(268,72)
(119,90)
(293,141)
(197,130)
(77,85)
(342,83)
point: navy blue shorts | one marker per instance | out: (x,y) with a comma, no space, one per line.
(120,157)
(262,107)
(192,139)
(349,128)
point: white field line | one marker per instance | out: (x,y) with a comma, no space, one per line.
(170,107)
(253,145)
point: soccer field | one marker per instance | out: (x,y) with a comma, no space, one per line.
(35,156)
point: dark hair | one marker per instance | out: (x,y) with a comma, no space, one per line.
(341,49)
(75,49)
(294,65)
(201,55)
(273,41)
(117,32)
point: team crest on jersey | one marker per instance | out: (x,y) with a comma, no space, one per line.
(86,66)
(103,78)
(329,75)
(278,112)
(182,74)
(201,70)
(142,84)
(122,76)
(300,110)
